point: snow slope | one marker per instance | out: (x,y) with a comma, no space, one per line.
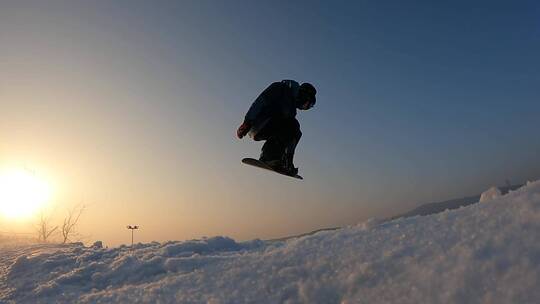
(483,253)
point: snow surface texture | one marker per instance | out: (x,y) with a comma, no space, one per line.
(483,253)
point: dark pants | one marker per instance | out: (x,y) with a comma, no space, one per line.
(282,136)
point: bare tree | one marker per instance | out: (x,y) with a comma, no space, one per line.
(44,227)
(70,222)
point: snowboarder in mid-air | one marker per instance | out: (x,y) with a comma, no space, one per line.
(272,117)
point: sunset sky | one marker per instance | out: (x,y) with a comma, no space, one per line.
(131,108)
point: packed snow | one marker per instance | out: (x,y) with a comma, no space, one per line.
(482,253)
(490,194)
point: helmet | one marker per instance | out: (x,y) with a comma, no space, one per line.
(307,94)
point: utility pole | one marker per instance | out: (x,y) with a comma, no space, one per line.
(132,228)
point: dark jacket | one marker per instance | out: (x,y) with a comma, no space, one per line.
(276,101)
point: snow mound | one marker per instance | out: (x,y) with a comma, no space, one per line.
(490,194)
(483,253)
(369,224)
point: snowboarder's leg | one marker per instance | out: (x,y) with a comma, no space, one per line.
(292,135)
(273,149)
(282,136)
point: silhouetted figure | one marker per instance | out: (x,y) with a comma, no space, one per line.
(272,117)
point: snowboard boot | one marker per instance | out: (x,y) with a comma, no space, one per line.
(276,164)
(280,165)
(271,160)
(290,170)
(288,165)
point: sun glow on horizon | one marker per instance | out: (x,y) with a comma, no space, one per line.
(22,193)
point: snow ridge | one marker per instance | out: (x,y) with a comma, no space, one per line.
(483,253)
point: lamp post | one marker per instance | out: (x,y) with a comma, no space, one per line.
(132,228)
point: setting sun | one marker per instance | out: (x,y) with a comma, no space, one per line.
(22,193)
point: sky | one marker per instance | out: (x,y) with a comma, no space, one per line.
(131,108)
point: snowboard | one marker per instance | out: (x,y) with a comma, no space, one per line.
(262,165)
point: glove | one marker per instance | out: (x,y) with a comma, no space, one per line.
(243,129)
